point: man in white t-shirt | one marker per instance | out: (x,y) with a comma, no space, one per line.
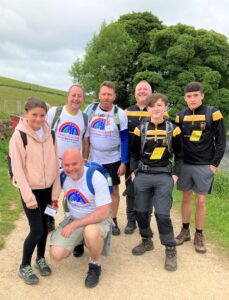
(89,215)
(71,127)
(108,135)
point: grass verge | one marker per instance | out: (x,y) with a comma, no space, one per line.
(217,224)
(10,206)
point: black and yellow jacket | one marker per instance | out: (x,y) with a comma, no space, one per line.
(135,116)
(204,141)
(155,152)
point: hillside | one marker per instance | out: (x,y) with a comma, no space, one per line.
(13,94)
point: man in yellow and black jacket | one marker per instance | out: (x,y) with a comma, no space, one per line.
(136,114)
(204,142)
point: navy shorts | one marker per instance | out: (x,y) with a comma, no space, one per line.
(113,169)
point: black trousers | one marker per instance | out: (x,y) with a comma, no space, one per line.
(38,226)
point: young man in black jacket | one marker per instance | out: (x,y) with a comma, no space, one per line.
(204,141)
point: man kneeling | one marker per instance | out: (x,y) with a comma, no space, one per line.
(89,215)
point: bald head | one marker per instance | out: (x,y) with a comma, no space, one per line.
(73,163)
(142,91)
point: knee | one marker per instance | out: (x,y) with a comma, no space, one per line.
(91,232)
(57,253)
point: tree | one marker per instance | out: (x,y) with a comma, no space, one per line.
(138,46)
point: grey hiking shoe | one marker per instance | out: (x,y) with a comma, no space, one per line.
(130,227)
(26,273)
(43,268)
(170,258)
(183,236)
(199,243)
(145,245)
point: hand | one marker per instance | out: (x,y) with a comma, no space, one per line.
(32,205)
(132,176)
(121,170)
(175,178)
(67,230)
(55,204)
(213,169)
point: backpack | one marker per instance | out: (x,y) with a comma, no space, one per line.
(56,119)
(116,117)
(209,112)
(25,142)
(92,167)
(169,133)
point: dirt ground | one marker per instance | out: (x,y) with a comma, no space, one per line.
(124,276)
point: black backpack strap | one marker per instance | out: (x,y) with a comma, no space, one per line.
(24,138)
(85,119)
(57,116)
(209,111)
(116,117)
(181,115)
(53,136)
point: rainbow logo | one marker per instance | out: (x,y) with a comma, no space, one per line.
(75,198)
(70,128)
(98,123)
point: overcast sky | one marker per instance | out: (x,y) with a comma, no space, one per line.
(40,39)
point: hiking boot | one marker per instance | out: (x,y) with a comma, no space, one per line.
(93,274)
(145,245)
(130,227)
(26,273)
(78,250)
(115,228)
(50,223)
(43,268)
(170,258)
(183,236)
(199,243)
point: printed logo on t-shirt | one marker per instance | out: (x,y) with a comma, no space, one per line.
(69,131)
(98,123)
(75,198)
(102,126)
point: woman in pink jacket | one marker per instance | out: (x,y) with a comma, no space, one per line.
(36,174)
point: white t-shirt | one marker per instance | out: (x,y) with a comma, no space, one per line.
(69,130)
(40,133)
(80,200)
(104,134)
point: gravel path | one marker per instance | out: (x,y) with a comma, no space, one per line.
(123,275)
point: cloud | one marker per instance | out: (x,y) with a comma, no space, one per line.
(41,39)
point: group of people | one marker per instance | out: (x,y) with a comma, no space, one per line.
(141,142)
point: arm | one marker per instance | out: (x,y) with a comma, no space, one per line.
(56,189)
(220,139)
(135,149)
(85,148)
(18,159)
(100,214)
(178,152)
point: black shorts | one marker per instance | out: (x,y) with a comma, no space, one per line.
(113,169)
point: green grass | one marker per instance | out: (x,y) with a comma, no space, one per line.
(10,206)
(217,224)
(14,93)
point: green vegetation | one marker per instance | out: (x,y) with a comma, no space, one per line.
(138,46)
(10,206)
(13,94)
(216,226)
